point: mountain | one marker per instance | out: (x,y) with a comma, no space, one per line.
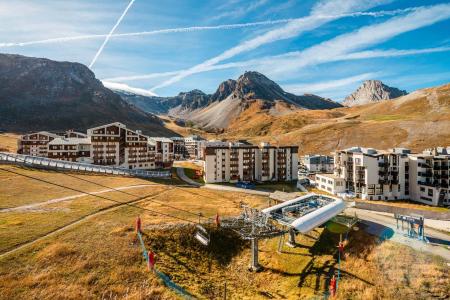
(232,97)
(418,120)
(41,94)
(372,91)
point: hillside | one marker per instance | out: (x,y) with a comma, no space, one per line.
(418,120)
(41,94)
(231,99)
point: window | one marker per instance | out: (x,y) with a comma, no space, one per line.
(430,192)
(422,189)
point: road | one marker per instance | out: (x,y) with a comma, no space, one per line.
(385,226)
(182,176)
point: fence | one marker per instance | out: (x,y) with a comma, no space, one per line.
(428,214)
(48,163)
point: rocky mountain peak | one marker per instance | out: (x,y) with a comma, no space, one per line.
(224,90)
(254,85)
(372,91)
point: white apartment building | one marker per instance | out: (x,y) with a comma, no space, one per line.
(371,174)
(317,163)
(193,144)
(429,177)
(164,151)
(232,162)
(391,175)
(330,183)
(70,149)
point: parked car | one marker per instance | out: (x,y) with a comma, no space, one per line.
(245,185)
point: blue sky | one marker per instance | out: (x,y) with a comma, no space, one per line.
(324,47)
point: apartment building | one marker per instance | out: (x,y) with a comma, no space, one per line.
(193,144)
(116,145)
(35,144)
(317,163)
(179,148)
(70,149)
(330,183)
(429,176)
(164,151)
(231,162)
(372,174)
(390,175)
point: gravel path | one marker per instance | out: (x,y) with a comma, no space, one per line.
(34,206)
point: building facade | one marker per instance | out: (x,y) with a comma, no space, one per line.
(116,145)
(179,148)
(429,177)
(70,149)
(193,144)
(232,162)
(317,163)
(390,175)
(164,151)
(35,144)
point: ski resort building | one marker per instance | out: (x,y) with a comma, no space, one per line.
(70,149)
(193,144)
(35,144)
(116,145)
(232,162)
(317,163)
(429,175)
(390,175)
(164,151)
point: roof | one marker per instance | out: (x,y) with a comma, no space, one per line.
(160,139)
(70,141)
(331,176)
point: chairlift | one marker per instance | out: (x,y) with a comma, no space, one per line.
(202,235)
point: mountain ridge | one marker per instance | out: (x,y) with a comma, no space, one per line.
(43,94)
(236,95)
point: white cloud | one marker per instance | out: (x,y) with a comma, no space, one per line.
(271,60)
(127,88)
(362,38)
(240,10)
(317,87)
(320,15)
(144,33)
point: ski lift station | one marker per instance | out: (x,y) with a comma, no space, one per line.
(306,212)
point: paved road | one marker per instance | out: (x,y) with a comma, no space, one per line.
(385,226)
(182,176)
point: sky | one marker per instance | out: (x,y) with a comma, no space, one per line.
(325,47)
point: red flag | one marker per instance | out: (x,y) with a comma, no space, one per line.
(138,224)
(217,220)
(333,286)
(151,260)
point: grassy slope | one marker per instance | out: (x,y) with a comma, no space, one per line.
(8,142)
(101,256)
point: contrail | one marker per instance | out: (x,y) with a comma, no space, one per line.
(188,29)
(110,33)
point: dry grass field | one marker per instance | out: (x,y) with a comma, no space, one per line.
(100,256)
(8,142)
